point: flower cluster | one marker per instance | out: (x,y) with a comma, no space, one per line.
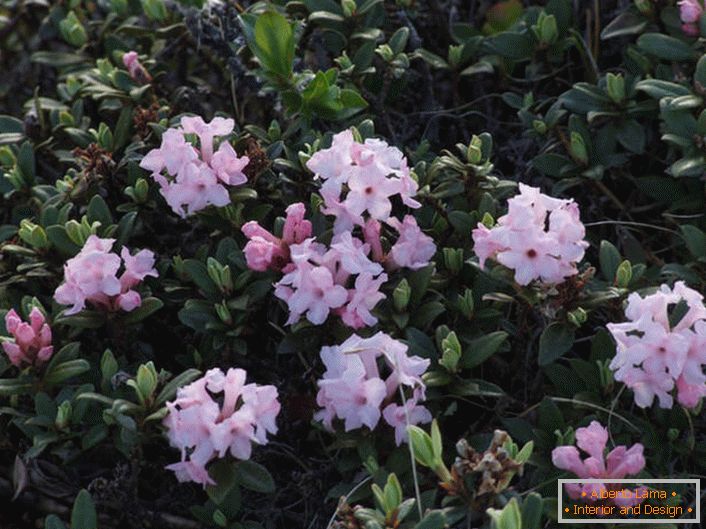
(617,464)
(215,414)
(360,178)
(356,385)
(196,178)
(540,237)
(690,12)
(655,354)
(92,276)
(32,345)
(345,275)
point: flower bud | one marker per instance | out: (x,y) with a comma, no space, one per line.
(400,296)
(63,415)
(623,275)
(349,8)
(465,303)
(578,148)
(474,153)
(73,31)
(615,85)
(453,259)
(154,9)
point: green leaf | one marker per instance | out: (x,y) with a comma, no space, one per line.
(53,522)
(199,275)
(98,211)
(532,509)
(83,514)
(178,381)
(514,46)
(224,474)
(482,348)
(657,88)
(13,386)
(626,23)
(10,124)
(554,342)
(609,258)
(274,43)
(254,476)
(432,520)
(148,307)
(665,47)
(695,240)
(66,370)
(430,58)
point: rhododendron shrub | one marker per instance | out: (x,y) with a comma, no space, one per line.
(619,463)
(348,265)
(656,353)
(218,415)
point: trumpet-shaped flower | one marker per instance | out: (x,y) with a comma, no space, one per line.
(215,415)
(654,355)
(540,238)
(196,178)
(92,277)
(364,375)
(617,464)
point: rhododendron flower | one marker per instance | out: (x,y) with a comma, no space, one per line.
(215,415)
(137,72)
(653,356)
(32,340)
(617,464)
(540,238)
(359,180)
(264,250)
(353,388)
(196,178)
(413,248)
(92,277)
(690,12)
(400,416)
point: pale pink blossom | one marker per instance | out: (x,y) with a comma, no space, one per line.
(362,299)
(402,416)
(216,415)
(266,251)
(617,464)
(653,356)
(413,249)
(32,340)
(364,375)
(196,178)
(92,277)
(359,180)
(540,238)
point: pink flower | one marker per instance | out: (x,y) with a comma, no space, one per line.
(540,238)
(314,293)
(265,251)
(137,72)
(196,178)
(228,166)
(353,388)
(690,11)
(360,178)
(215,415)
(413,248)
(92,276)
(619,463)
(362,299)
(410,413)
(32,340)
(653,356)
